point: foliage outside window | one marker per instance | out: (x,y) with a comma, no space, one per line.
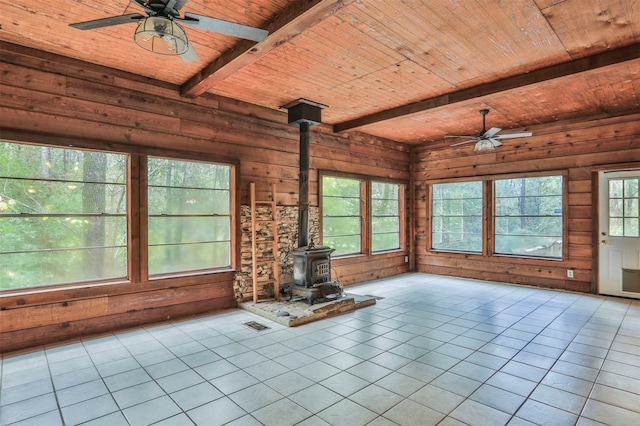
(63,215)
(189,216)
(457,216)
(528,216)
(385,216)
(341,215)
(624,212)
(344,213)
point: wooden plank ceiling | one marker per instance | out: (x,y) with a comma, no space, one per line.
(407,70)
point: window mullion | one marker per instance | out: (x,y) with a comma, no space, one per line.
(488,218)
(365,216)
(143,220)
(137,222)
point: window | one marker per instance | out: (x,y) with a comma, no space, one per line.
(385,216)
(528,216)
(457,216)
(344,211)
(341,215)
(189,216)
(624,213)
(526,220)
(63,215)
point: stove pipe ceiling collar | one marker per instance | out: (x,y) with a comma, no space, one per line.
(304,111)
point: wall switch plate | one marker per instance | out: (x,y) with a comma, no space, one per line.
(406,259)
(569,273)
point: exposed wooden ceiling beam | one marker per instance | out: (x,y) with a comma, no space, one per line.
(291,22)
(588,63)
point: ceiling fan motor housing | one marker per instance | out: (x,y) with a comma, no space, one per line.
(161,35)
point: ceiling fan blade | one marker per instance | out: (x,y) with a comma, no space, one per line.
(492,131)
(107,22)
(459,136)
(514,135)
(224,27)
(190,55)
(168,6)
(180,4)
(495,142)
(462,143)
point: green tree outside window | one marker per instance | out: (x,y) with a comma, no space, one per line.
(62,215)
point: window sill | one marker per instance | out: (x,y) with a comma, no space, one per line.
(30,291)
(190,274)
(392,251)
(440,251)
(45,295)
(496,256)
(515,256)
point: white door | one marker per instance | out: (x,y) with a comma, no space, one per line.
(619,237)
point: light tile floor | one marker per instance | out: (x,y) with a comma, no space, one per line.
(433,350)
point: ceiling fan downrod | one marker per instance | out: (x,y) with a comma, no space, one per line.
(483,113)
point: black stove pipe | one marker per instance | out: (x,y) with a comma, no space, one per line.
(303,187)
(304,114)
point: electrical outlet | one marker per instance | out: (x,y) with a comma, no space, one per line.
(406,259)
(569,273)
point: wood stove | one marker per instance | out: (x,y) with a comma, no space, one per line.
(312,274)
(311,263)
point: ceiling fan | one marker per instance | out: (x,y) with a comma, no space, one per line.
(160,31)
(488,140)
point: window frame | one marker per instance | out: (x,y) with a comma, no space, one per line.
(488,219)
(79,215)
(161,275)
(366,212)
(482,216)
(400,216)
(137,239)
(494,216)
(361,212)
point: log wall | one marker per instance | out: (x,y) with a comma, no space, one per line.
(59,101)
(578,148)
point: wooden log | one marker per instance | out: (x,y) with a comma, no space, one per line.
(60,331)
(22,317)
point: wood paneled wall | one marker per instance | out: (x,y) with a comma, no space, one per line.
(59,101)
(578,148)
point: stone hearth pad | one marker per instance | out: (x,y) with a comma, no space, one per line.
(301,313)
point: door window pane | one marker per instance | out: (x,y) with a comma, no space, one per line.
(624,215)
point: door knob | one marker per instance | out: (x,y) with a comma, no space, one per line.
(604,242)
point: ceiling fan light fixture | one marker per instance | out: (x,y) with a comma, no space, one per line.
(161,35)
(484,145)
